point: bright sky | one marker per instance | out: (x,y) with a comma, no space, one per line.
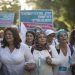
(24,6)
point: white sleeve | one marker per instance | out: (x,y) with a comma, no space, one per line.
(28,56)
(23,31)
(56,58)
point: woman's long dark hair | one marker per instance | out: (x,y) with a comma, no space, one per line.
(15,33)
(72,37)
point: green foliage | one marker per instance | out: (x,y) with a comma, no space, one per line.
(63,8)
(11,6)
(70,10)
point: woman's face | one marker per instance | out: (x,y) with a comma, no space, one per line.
(9,36)
(63,37)
(42,39)
(29,37)
(50,37)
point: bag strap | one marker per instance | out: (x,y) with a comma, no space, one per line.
(58,50)
(32,50)
(50,52)
(71,49)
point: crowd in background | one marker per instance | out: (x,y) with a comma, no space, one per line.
(46,52)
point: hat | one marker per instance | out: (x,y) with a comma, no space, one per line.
(59,32)
(49,31)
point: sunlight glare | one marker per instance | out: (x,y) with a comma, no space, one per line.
(24,6)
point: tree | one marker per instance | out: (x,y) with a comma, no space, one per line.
(11,6)
(61,8)
(70,16)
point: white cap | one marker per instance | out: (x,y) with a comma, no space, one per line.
(49,31)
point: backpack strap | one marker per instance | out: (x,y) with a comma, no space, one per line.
(71,49)
(50,52)
(32,50)
(58,50)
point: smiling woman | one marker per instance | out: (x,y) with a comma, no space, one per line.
(15,56)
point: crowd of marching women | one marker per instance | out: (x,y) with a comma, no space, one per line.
(46,52)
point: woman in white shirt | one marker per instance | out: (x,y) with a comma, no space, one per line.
(15,56)
(44,56)
(63,51)
(30,37)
